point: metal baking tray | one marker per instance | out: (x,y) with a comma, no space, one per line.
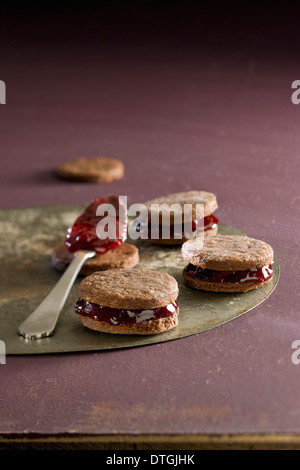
(26,277)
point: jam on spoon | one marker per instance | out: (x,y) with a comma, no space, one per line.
(83,234)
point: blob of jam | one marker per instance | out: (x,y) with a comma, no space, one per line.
(115,316)
(83,236)
(235,277)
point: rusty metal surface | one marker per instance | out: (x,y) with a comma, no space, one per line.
(26,276)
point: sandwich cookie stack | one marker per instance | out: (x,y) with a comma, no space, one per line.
(227,263)
(136,301)
(172,209)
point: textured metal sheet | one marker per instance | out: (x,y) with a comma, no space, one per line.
(26,276)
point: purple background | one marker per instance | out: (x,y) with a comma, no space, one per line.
(187,99)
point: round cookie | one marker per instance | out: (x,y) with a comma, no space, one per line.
(208,200)
(202,204)
(92,169)
(132,301)
(129,289)
(125,256)
(150,327)
(224,287)
(228,253)
(227,263)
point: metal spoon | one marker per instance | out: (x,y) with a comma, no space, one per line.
(43,320)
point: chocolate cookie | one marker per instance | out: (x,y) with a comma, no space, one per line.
(92,169)
(227,263)
(125,256)
(131,301)
(202,204)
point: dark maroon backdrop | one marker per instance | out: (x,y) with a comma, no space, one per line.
(188,98)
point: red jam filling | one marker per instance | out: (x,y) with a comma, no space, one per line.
(83,236)
(115,316)
(209,222)
(235,277)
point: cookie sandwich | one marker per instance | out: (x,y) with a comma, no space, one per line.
(135,301)
(91,169)
(194,208)
(227,263)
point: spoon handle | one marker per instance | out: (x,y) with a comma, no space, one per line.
(42,321)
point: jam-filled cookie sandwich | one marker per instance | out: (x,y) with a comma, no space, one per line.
(193,207)
(135,301)
(227,263)
(111,253)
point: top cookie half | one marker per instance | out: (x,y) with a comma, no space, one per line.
(202,204)
(228,253)
(129,289)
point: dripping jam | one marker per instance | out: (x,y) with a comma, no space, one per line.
(249,275)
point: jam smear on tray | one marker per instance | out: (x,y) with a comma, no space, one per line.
(116,316)
(83,236)
(249,275)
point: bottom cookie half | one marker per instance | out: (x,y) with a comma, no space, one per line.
(221,287)
(150,327)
